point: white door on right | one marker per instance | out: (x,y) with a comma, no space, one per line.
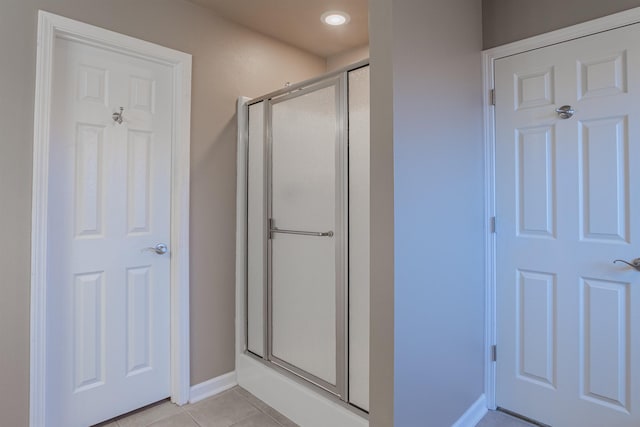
(568,205)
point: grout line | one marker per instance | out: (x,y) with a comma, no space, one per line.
(269,416)
(250,401)
(193,419)
(242,419)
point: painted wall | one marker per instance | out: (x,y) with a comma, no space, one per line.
(505,21)
(349,57)
(381,219)
(228,61)
(438,306)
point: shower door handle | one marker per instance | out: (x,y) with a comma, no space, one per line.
(303,233)
(273,229)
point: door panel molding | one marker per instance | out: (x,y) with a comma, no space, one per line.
(50,28)
(489,57)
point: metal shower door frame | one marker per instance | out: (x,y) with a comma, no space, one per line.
(339,389)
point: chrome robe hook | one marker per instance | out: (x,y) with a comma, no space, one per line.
(117,117)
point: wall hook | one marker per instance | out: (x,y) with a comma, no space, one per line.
(117,117)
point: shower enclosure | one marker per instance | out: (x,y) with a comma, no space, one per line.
(306,184)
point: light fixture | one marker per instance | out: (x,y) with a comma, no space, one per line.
(335,18)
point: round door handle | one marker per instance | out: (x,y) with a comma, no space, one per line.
(565,112)
(160,249)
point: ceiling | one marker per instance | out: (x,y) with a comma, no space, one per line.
(297,22)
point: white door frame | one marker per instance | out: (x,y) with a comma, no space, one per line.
(50,28)
(489,57)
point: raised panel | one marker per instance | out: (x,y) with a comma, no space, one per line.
(605,348)
(92,84)
(89,180)
(604,180)
(536,329)
(603,76)
(139,181)
(89,323)
(139,307)
(142,94)
(534,89)
(535,172)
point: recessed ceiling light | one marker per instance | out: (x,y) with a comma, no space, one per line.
(335,18)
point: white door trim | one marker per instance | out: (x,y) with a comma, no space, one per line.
(50,27)
(489,57)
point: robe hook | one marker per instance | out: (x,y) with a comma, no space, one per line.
(117,117)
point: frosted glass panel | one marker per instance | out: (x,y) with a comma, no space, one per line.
(304,150)
(359,237)
(256,232)
(304,154)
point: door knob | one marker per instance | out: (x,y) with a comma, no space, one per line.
(160,249)
(565,112)
(634,263)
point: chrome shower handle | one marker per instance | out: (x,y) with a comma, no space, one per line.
(273,229)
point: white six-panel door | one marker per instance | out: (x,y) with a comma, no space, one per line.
(108,297)
(568,205)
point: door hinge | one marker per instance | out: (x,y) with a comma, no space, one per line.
(494,353)
(492,97)
(492,225)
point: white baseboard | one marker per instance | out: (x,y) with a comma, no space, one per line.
(474,414)
(300,403)
(212,387)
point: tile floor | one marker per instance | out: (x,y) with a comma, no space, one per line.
(233,408)
(500,419)
(239,408)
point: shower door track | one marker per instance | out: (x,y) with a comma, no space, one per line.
(305,84)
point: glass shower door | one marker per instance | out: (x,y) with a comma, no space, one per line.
(307,239)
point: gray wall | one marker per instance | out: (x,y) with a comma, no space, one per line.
(424,69)
(439,243)
(381,200)
(228,61)
(505,21)
(438,306)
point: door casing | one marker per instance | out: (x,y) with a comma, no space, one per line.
(489,57)
(50,28)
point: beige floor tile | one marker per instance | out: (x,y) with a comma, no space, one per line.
(180,420)
(259,420)
(284,421)
(281,419)
(150,415)
(222,410)
(243,392)
(252,399)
